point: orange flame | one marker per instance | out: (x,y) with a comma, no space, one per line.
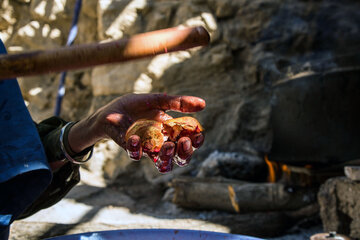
(272,169)
(308,166)
(285,169)
(286,172)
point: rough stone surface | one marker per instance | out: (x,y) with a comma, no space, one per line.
(352,172)
(340,207)
(254,44)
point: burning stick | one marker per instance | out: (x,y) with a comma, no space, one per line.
(88,55)
(239,196)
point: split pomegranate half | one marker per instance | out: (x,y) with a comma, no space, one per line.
(154,134)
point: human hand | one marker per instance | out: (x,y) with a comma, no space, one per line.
(113,120)
(154,134)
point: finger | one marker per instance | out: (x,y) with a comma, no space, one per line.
(184,151)
(157,115)
(184,104)
(166,102)
(165,162)
(167,151)
(197,140)
(133,147)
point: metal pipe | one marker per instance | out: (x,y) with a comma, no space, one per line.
(88,55)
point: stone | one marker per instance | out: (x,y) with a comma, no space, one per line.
(117,19)
(89,8)
(237,29)
(223,9)
(160,15)
(352,172)
(40,93)
(250,44)
(117,79)
(30,33)
(86,29)
(189,14)
(159,64)
(38,35)
(254,45)
(339,206)
(52,10)
(8,17)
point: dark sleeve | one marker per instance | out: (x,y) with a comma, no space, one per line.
(66,177)
(49,131)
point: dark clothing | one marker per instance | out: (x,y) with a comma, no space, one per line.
(24,171)
(27,184)
(65,178)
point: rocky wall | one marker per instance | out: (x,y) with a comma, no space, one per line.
(339,206)
(254,44)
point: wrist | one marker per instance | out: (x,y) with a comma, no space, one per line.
(82,135)
(69,154)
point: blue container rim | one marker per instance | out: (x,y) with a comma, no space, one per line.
(154,234)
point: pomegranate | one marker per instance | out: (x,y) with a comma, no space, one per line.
(154,134)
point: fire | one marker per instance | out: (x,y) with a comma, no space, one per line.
(289,174)
(285,169)
(277,170)
(286,172)
(272,170)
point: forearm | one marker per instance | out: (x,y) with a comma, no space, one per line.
(83,135)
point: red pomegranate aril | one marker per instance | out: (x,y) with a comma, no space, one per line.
(164,166)
(134,155)
(154,156)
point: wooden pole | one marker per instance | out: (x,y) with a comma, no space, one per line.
(88,55)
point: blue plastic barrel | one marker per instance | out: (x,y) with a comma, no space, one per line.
(154,234)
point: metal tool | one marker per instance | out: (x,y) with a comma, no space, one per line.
(329,236)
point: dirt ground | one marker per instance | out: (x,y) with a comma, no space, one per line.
(122,205)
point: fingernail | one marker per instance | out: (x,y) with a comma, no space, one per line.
(167,150)
(170,151)
(186,146)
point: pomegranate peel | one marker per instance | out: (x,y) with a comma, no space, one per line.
(150,133)
(182,126)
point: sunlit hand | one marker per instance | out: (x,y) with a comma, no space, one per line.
(113,120)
